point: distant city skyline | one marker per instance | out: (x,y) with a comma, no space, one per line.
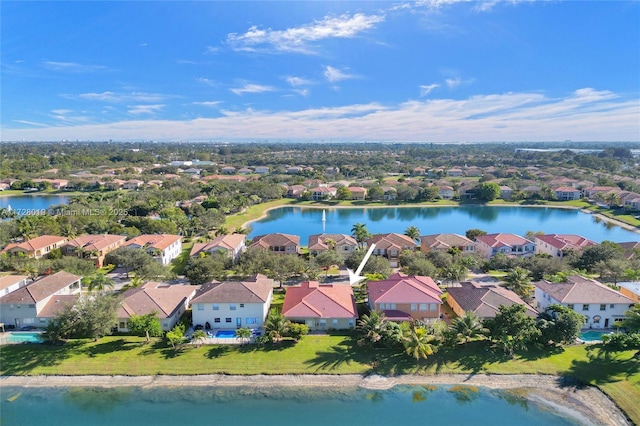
(434,70)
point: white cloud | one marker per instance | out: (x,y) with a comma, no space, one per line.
(207,81)
(145,109)
(585,114)
(297,39)
(302,92)
(208,103)
(425,90)
(297,81)
(252,88)
(114,97)
(333,74)
(72,67)
(453,83)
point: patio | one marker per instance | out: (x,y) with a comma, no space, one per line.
(223,336)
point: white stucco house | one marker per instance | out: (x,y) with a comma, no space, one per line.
(163,247)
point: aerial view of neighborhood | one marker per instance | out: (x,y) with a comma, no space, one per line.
(321,212)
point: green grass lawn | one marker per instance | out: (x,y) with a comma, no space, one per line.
(178,264)
(616,373)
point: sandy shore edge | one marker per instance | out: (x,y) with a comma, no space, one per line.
(588,405)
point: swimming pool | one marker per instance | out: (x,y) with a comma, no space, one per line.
(23,337)
(226,334)
(592,335)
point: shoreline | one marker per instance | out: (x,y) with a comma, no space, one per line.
(587,404)
(600,216)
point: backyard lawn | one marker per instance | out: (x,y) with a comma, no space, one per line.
(616,373)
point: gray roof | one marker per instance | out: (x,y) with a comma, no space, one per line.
(578,289)
(485,301)
(41,289)
(254,291)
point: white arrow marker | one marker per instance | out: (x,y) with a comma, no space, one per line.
(355,277)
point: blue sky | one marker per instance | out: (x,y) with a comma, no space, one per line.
(437,71)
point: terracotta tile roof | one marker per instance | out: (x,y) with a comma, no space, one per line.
(401,288)
(256,290)
(386,241)
(443,241)
(566,241)
(56,304)
(153,296)
(502,240)
(95,242)
(272,240)
(314,300)
(485,301)
(159,241)
(9,280)
(319,241)
(38,243)
(227,242)
(578,290)
(566,189)
(41,289)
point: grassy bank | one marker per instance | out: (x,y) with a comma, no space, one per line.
(616,373)
(16,192)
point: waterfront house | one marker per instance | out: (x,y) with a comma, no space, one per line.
(567,193)
(277,243)
(446,242)
(445,192)
(391,245)
(483,300)
(341,243)
(323,193)
(558,245)
(262,170)
(233,245)
(29,305)
(454,172)
(167,300)
(321,306)
(601,305)
(631,249)
(406,298)
(358,192)
(93,247)
(631,290)
(233,304)
(505,192)
(296,191)
(163,247)
(228,170)
(133,184)
(507,244)
(36,247)
(11,283)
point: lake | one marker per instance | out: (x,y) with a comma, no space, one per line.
(400,405)
(23,203)
(435,220)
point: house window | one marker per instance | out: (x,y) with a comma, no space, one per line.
(433,307)
(351,322)
(585,307)
(43,321)
(322,323)
(251,320)
(201,306)
(123,324)
(611,306)
(232,307)
(414,307)
(596,319)
(603,307)
(216,307)
(423,307)
(216,320)
(570,306)
(335,322)
(32,306)
(227,320)
(242,305)
(29,320)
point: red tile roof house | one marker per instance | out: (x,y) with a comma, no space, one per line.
(446,242)
(233,245)
(36,247)
(233,304)
(11,283)
(323,193)
(601,305)
(558,245)
(35,304)
(391,245)
(163,247)
(508,244)
(342,243)
(566,193)
(94,247)
(483,300)
(406,298)
(321,306)
(169,301)
(277,243)
(358,192)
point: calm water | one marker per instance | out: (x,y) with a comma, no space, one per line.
(246,406)
(32,202)
(434,220)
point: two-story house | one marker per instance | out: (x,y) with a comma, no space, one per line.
(358,192)
(233,304)
(391,245)
(323,193)
(321,306)
(567,193)
(446,242)
(601,305)
(483,300)
(163,247)
(11,283)
(341,243)
(36,303)
(558,245)
(36,247)
(277,243)
(233,245)
(406,298)
(507,244)
(93,247)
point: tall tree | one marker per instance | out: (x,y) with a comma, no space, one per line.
(413,232)
(473,233)
(519,281)
(512,328)
(100,283)
(559,324)
(276,326)
(147,325)
(360,233)
(467,327)
(632,320)
(419,343)
(244,334)
(371,327)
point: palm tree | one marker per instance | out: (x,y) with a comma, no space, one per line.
(66,230)
(371,327)
(519,281)
(418,343)
(360,233)
(413,232)
(612,199)
(100,283)
(244,334)
(198,337)
(467,326)
(276,326)
(222,230)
